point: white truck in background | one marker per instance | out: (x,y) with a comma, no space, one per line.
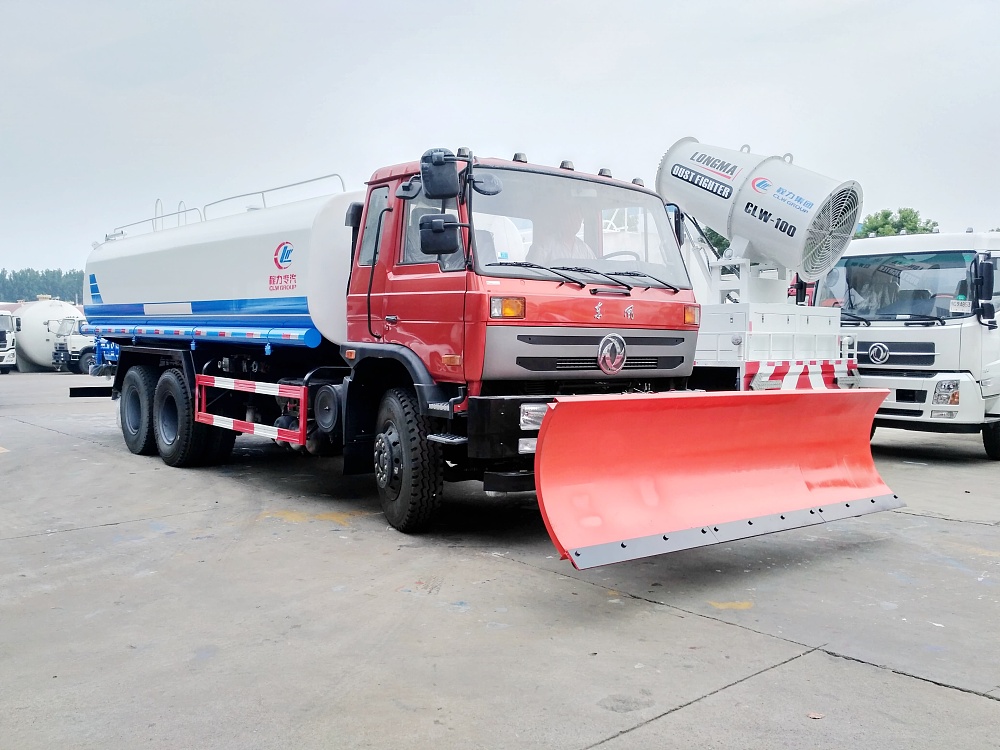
(784,223)
(8,342)
(50,337)
(924,308)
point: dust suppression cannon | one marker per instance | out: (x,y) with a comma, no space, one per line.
(772,211)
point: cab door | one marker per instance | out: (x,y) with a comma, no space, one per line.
(424,300)
(374,255)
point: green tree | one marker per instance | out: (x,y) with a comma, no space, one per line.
(886,223)
(720,243)
(28,283)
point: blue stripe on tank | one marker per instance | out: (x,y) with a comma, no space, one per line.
(266,308)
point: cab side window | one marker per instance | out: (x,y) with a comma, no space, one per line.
(377,202)
(415,209)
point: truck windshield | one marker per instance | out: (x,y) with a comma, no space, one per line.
(541,221)
(919,285)
(67,326)
(6,323)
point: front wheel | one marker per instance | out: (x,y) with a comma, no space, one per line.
(83,364)
(4,370)
(991,440)
(408,467)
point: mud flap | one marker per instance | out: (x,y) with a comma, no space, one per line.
(624,477)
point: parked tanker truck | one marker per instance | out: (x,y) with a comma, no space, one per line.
(923,307)
(51,337)
(473,319)
(754,335)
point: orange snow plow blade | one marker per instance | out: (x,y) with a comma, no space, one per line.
(624,477)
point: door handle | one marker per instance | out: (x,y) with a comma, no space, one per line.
(391,319)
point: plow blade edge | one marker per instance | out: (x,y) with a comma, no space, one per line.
(624,477)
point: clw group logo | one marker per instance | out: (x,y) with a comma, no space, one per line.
(761,184)
(283,255)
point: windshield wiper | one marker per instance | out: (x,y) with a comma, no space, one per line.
(861,320)
(584,269)
(647,275)
(529,264)
(917,317)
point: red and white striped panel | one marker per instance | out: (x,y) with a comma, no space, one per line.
(252,386)
(297,392)
(812,374)
(252,428)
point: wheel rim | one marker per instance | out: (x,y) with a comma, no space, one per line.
(168,420)
(133,411)
(388,460)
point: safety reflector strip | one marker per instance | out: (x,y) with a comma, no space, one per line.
(811,375)
(297,392)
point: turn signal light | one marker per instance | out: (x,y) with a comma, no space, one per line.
(506,307)
(692,315)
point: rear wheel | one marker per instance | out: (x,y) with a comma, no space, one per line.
(408,467)
(136,409)
(179,439)
(991,440)
(219,445)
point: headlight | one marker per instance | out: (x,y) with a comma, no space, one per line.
(507,307)
(526,445)
(946,392)
(532,416)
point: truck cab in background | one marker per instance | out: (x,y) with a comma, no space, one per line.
(9,326)
(923,311)
(72,349)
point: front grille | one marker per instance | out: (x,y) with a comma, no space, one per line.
(913,353)
(544,339)
(557,364)
(893,373)
(907,396)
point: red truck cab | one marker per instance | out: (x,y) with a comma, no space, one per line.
(515,284)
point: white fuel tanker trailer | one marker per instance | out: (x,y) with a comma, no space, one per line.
(782,221)
(416,328)
(50,337)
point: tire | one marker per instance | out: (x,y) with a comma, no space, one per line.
(83,364)
(4,370)
(136,409)
(991,440)
(218,445)
(180,440)
(408,468)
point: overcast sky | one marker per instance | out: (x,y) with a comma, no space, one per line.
(107,105)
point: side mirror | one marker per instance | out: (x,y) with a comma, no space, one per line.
(984,277)
(987,311)
(677,216)
(439,234)
(439,174)
(17,325)
(353,218)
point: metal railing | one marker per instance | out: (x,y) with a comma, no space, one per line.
(263,193)
(155,222)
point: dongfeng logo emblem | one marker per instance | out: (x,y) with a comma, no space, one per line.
(611,353)
(878,354)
